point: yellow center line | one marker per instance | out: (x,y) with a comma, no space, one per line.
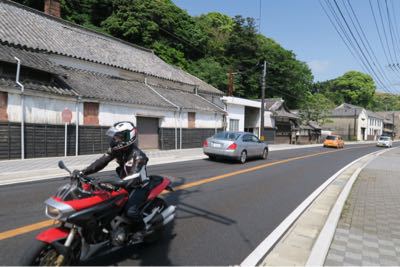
(46,223)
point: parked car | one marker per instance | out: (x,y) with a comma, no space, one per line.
(334,141)
(384,141)
(235,145)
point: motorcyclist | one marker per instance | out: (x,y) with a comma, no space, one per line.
(131,160)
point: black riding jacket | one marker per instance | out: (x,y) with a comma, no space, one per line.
(130,161)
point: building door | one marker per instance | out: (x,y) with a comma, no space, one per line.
(148,132)
(362,133)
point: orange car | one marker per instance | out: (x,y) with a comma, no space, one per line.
(334,141)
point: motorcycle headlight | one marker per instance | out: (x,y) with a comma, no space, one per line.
(52,212)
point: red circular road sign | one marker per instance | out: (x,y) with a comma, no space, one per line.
(66,115)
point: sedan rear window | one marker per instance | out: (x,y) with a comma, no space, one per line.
(331,137)
(226,136)
(384,138)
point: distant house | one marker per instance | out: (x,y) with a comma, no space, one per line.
(355,123)
(286,122)
(280,124)
(99,78)
(245,115)
(391,123)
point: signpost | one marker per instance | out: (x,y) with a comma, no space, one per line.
(66,118)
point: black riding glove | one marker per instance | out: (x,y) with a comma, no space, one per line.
(76,174)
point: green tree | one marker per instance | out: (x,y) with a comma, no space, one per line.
(356,88)
(315,107)
(218,28)
(287,77)
(385,102)
(210,70)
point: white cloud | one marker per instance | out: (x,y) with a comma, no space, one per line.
(319,66)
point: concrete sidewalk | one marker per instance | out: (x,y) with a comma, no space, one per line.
(362,230)
(368,232)
(16,171)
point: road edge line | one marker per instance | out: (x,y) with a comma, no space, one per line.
(321,246)
(265,246)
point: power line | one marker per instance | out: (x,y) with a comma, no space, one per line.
(380,38)
(350,39)
(367,61)
(384,31)
(367,44)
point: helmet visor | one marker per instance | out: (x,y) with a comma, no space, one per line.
(111,132)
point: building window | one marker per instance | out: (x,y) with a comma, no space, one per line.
(191,119)
(233,125)
(90,113)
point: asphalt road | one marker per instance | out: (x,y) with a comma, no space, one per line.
(217,223)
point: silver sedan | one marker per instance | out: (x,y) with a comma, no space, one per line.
(235,145)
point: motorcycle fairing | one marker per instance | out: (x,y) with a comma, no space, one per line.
(53,234)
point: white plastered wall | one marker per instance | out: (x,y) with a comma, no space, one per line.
(41,109)
(235,112)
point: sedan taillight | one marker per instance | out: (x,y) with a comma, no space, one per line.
(232,147)
(205,143)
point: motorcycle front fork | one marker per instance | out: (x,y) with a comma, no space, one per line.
(67,244)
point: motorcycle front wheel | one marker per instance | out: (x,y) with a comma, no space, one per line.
(44,254)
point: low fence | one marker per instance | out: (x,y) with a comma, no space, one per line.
(47,140)
(191,138)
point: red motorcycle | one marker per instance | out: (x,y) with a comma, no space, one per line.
(90,213)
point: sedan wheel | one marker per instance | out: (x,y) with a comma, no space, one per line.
(212,157)
(265,154)
(243,157)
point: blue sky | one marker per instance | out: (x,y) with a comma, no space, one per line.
(300,26)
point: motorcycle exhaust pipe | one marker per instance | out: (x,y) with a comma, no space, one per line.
(159,218)
(169,219)
(164,222)
(166,213)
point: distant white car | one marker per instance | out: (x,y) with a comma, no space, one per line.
(384,141)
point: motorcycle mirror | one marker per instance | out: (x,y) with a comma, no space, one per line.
(61,165)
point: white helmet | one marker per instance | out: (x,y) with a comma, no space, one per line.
(122,135)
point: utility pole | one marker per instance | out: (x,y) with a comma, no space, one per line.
(355,124)
(262,101)
(230,82)
(393,127)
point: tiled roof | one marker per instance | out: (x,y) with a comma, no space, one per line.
(25,27)
(284,113)
(96,86)
(314,125)
(214,99)
(187,100)
(104,87)
(343,112)
(273,104)
(348,106)
(28,58)
(51,88)
(375,115)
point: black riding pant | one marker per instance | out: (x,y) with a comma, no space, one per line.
(133,208)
